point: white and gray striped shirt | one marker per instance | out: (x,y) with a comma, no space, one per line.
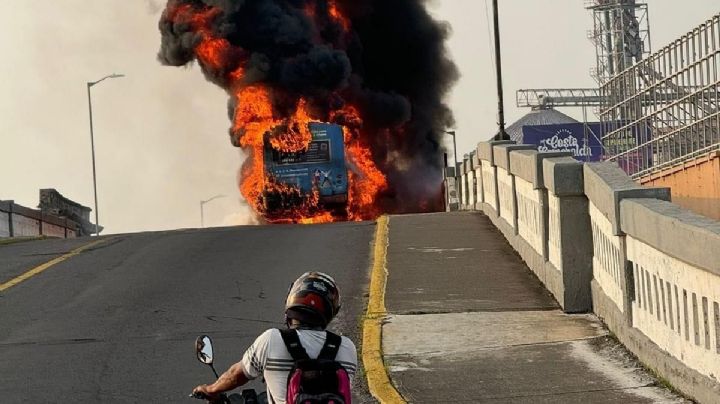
(269,357)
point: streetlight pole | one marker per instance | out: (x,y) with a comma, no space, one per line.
(202,204)
(92,146)
(502,135)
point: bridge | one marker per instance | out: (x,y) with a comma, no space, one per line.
(561,282)
(557,282)
(602,244)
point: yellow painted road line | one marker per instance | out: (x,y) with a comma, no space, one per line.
(378,380)
(40,268)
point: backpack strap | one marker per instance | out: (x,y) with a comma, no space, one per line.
(331,347)
(293,345)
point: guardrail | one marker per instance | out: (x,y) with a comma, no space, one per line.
(602,243)
(675,267)
(19,221)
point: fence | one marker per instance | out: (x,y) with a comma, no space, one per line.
(602,243)
(19,221)
(665,109)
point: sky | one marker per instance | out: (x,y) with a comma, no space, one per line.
(161,138)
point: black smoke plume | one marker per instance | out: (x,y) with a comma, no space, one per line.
(390,62)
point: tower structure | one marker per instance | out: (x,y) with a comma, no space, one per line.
(621,35)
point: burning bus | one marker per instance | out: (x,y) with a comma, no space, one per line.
(345,62)
(315,177)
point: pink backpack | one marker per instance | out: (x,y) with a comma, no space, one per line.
(316,381)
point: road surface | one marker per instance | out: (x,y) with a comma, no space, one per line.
(117,322)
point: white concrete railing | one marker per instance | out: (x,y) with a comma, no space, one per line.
(676,306)
(468,181)
(479,194)
(472,189)
(607,259)
(599,241)
(488,184)
(506,197)
(463,190)
(529,214)
(554,235)
(674,263)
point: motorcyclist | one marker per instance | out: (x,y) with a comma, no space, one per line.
(312,302)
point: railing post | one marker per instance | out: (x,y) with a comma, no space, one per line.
(569,234)
(11,228)
(479,197)
(606,185)
(502,161)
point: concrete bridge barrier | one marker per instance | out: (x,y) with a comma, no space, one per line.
(19,221)
(672,313)
(605,186)
(489,176)
(463,186)
(478,181)
(507,195)
(602,243)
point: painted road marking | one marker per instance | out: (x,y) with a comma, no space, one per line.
(378,380)
(40,268)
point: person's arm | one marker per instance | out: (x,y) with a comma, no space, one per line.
(231,379)
(250,367)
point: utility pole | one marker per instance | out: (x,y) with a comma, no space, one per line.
(502,135)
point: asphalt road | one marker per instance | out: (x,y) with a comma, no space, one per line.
(117,323)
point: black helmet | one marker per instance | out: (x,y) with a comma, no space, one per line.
(313,299)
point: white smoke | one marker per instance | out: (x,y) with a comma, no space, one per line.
(243,217)
(155,6)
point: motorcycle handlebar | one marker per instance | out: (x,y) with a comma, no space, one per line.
(203,396)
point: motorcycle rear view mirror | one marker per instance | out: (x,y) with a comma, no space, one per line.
(204,349)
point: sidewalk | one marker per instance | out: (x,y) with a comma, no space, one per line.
(469,322)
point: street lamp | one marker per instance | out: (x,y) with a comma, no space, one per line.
(502,135)
(202,204)
(92,145)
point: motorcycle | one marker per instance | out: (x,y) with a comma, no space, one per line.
(204,353)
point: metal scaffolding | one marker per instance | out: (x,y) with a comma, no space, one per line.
(663,109)
(621,35)
(557,97)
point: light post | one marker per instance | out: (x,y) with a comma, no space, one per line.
(502,135)
(92,146)
(202,204)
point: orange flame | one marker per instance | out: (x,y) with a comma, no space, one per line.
(334,11)
(296,135)
(254,117)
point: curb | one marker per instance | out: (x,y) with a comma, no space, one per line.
(378,380)
(16,240)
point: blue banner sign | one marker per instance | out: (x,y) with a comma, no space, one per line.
(582,140)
